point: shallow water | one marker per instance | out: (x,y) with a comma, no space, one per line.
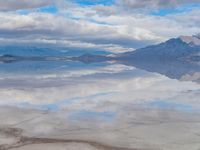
(72,105)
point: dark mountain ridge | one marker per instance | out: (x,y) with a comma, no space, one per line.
(172,49)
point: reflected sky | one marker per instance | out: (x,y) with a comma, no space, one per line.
(92,101)
(68,85)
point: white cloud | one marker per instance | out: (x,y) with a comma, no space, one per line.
(11,5)
(134,4)
(58,28)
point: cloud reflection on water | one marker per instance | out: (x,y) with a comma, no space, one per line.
(110,103)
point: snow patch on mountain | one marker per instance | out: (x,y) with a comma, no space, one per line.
(192,40)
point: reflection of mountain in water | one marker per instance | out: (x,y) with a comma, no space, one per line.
(171,69)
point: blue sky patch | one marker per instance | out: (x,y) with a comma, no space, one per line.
(94,2)
(48,9)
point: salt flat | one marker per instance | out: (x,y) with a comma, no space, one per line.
(108,106)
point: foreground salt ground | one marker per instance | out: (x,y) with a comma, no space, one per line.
(107,108)
(140,129)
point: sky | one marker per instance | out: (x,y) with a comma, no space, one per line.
(111,25)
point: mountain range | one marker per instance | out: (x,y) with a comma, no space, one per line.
(184,47)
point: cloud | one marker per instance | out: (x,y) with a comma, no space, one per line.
(50,27)
(98,26)
(11,5)
(135,4)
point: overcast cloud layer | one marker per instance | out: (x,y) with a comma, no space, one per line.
(117,26)
(155,3)
(10,5)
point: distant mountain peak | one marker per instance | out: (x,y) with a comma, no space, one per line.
(192,40)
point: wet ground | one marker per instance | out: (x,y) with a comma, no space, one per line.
(100,106)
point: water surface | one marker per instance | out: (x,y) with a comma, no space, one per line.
(106,105)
